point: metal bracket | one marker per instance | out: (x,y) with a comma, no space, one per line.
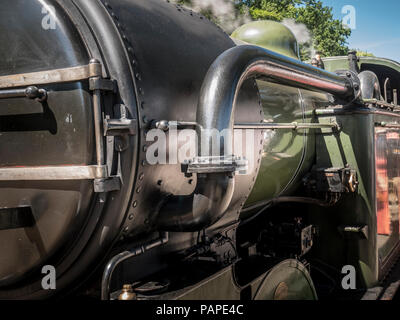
(333,180)
(359,232)
(98,83)
(121,126)
(216,165)
(107,185)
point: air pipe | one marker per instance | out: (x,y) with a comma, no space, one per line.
(215,110)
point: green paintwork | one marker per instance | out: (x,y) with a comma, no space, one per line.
(270,35)
(283,149)
(339,63)
(288,154)
(354,145)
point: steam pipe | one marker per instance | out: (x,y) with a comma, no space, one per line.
(215,110)
(121,257)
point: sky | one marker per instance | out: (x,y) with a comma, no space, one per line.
(377,25)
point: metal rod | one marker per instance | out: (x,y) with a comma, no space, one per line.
(31,92)
(387,125)
(166,125)
(392,106)
(56,173)
(116,260)
(385,88)
(5,94)
(294,126)
(51,76)
(98,122)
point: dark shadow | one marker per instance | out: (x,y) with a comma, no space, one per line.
(45,121)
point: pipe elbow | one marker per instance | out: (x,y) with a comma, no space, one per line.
(215,111)
(206,206)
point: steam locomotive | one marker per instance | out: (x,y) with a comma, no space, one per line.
(145,154)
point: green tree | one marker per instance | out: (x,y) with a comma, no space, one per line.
(361,53)
(329,36)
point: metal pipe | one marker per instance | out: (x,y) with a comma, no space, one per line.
(31,92)
(225,77)
(17,93)
(387,125)
(215,111)
(294,126)
(166,125)
(385,87)
(116,260)
(206,206)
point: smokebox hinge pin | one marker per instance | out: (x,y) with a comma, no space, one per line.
(106,127)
